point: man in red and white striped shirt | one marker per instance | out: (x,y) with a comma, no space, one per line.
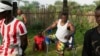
(13,31)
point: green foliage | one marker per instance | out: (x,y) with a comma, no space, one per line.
(38,25)
(58,5)
(81,25)
(34,29)
(97,2)
(80,22)
(32,7)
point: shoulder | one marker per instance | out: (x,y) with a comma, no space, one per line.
(17,20)
(70,23)
(1,21)
(55,22)
(19,23)
(90,31)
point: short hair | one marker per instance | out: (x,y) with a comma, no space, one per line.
(98,7)
(63,13)
(39,33)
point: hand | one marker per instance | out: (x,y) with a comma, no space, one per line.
(43,33)
(67,37)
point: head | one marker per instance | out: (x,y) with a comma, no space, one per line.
(97,14)
(5,9)
(19,11)
(64,16)
(40,33)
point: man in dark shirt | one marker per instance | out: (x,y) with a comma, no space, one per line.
(91,45)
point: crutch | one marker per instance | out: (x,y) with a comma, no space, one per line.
(73,47)
(47,41)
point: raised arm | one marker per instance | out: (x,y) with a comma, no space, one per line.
(71,28)
(54,24)
(24,42)
(24,18)
(23,36)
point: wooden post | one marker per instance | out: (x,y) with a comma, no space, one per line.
(15,9)
(65,6)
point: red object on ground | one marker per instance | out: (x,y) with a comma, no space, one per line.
(39,40)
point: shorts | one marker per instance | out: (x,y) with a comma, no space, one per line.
(61,46)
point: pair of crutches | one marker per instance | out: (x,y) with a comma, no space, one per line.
(73,48)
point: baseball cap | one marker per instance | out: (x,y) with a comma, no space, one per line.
(5,7)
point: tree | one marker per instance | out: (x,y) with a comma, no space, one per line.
(74,7)
(32,7)
(65,6)
(97,2)
(58,5)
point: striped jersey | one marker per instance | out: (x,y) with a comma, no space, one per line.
(11,37)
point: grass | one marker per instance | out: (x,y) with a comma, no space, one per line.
(52,49)
(81,28)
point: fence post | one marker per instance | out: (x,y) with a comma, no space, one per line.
(15,9)
(65,6)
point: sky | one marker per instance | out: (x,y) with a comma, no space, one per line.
(82,2)
(47,2)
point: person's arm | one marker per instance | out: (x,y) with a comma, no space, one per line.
(24,18)
(51,26)
(23,36)
(24,42)
(71,28)
(87,50)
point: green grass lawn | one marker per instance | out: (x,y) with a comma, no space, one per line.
(81,28)
(52,49)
